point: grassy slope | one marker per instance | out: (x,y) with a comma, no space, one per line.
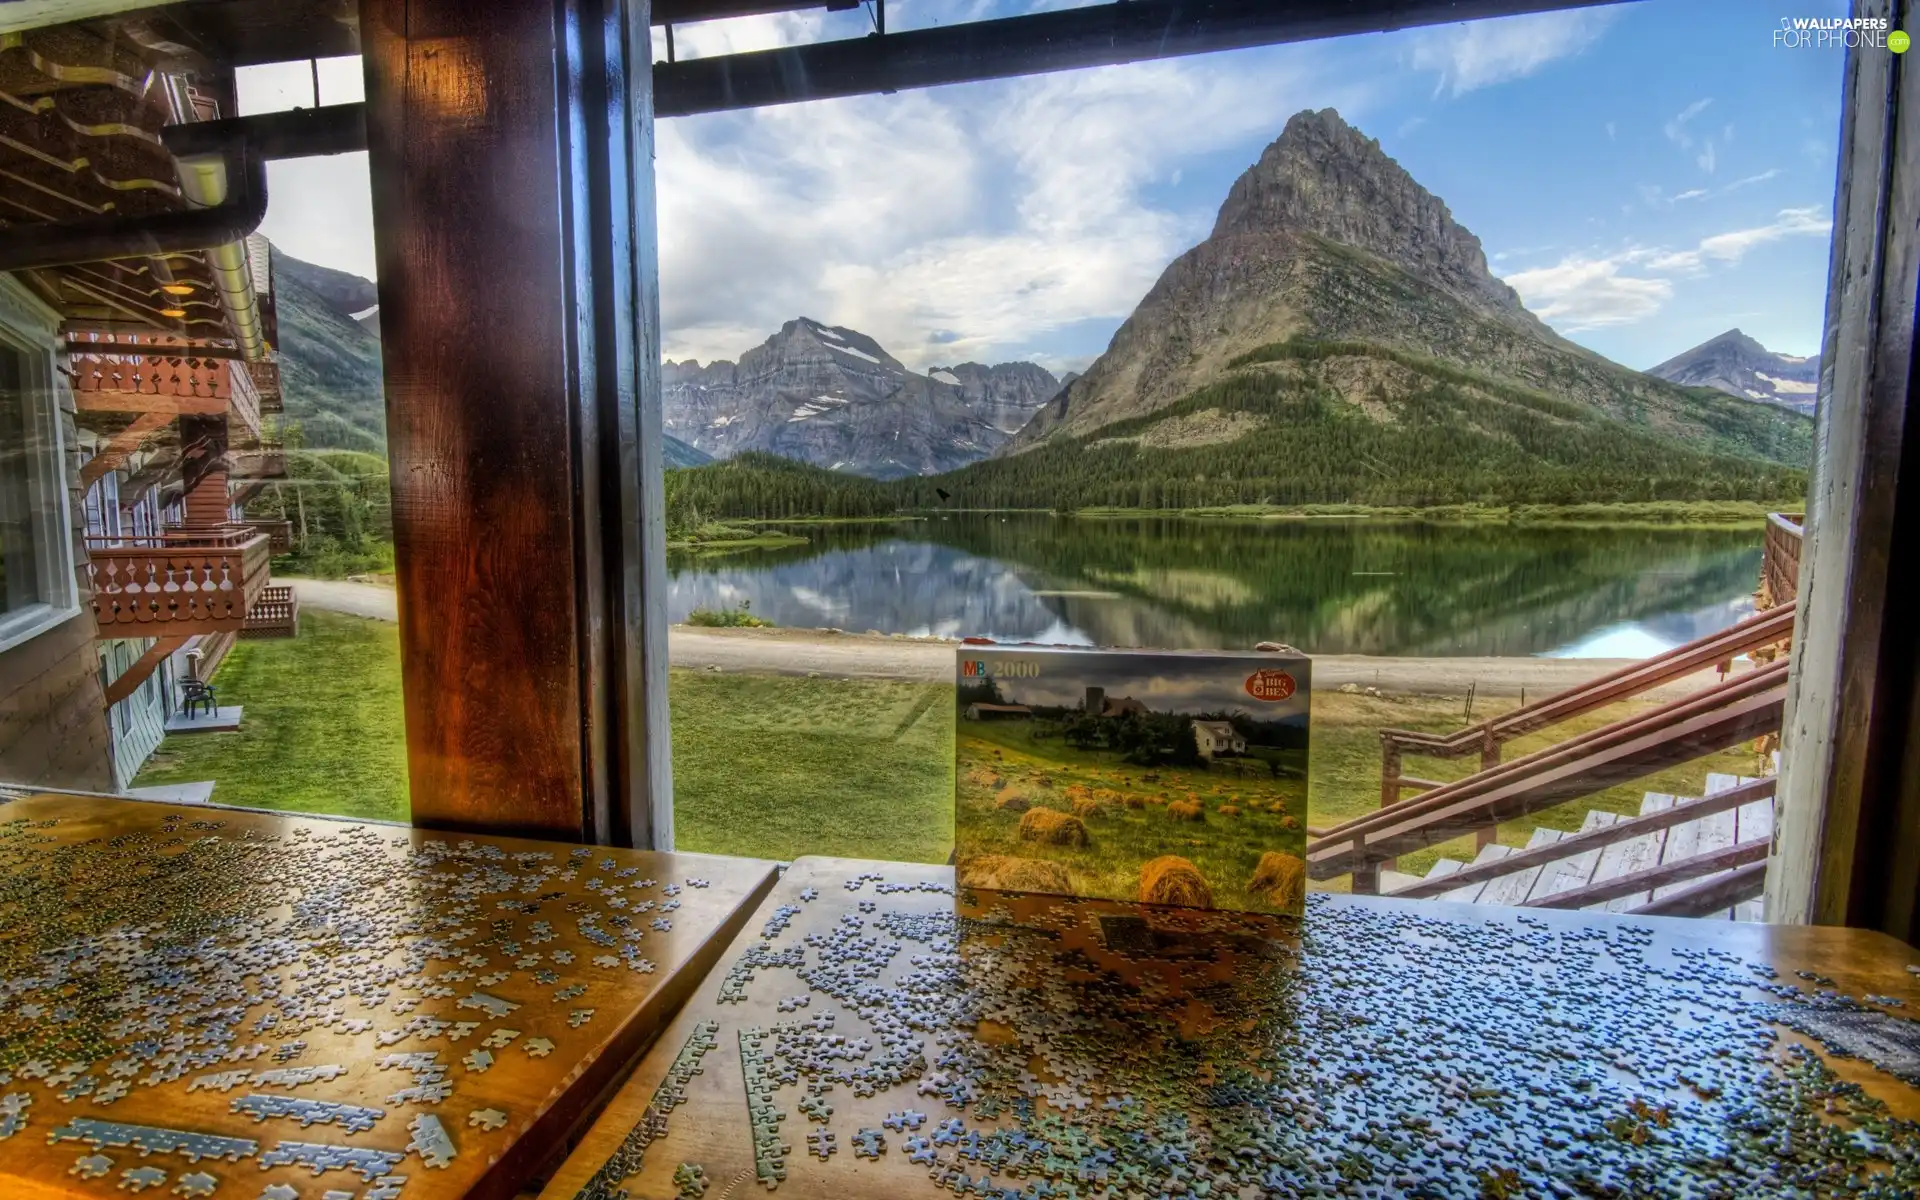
(780,766)
(323,730)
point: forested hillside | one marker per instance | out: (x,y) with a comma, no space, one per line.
(329,363)
(1352,423)
(1297,423)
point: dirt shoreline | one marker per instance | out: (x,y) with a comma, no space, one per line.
(838,654)
(881,656)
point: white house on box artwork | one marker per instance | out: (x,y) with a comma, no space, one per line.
(1217,738)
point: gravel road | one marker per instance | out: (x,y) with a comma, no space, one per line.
(871,656)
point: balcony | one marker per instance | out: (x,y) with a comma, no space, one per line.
(279,533)
(177,583)
(267,460)
(266,384)
(174,378)
(276,614)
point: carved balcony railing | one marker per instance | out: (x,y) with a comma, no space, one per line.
(168,375)
(177,583)
(267,460)
(266,383)
(276,614)
(279,532)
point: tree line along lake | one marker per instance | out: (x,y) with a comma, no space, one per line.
(1327,586)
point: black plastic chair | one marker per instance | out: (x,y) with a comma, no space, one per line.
(193,692)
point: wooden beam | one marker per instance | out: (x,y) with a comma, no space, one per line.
(1064,39)
(1849,831)
(122,446)
(142,667)
(1744,854)
(511,141)
(1593,839)
(1715,895)
(150,402)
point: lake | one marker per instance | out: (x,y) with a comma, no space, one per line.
(1342,586)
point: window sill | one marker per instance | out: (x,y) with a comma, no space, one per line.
(18,628)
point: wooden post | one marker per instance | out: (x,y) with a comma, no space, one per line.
(1847,841)
(511,147)
(1390,768)
(1488,834)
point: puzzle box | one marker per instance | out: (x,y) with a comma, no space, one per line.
(1171,777)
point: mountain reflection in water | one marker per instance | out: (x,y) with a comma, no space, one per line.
(1326,586)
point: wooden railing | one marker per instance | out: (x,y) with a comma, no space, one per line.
(279,532)
(266,385)
(1595,839)
(268,460)
(1737,710)
(276,614)
(1780,558)
(1765,629)
(176,583)
(168,375)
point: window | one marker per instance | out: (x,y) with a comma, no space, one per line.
(36,575)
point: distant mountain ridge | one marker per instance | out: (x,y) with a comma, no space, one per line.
(833,397)
(330,360)
(1740,366)
(1327,241)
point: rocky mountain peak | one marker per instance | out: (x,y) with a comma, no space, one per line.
(1739,365)
(834,397)
(1322,176)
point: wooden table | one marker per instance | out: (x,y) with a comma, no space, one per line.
(860,1040)
(215,1002)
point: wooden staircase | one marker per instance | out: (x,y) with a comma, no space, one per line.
(1711,859)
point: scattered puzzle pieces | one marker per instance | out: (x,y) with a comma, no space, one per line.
(431,1142)
(93,1166)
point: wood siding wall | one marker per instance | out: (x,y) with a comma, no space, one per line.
(53,718)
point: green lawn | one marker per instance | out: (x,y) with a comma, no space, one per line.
(323,729)
(776,766)
(768,766)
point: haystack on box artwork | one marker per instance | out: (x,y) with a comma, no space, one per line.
(1166,777)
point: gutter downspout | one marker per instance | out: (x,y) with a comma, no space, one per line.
(206,182)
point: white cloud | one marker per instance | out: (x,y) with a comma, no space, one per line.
(953,223)
(1750,180)
(1610,131)
(1591,290)
(321,210)
(1731,247)
(1706,159)
(1676,126)
(1692,194)
(1477,54)
(1585,293)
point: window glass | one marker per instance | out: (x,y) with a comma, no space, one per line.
(1482,379)
(21,585)
(34,585)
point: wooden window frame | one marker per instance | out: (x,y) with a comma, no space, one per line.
(27,330)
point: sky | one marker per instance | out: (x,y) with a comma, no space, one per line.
(1646,176)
